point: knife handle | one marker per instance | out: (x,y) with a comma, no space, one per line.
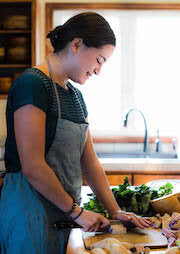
(65,224)
(70,224)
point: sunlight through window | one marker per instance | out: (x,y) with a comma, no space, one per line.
(143,73)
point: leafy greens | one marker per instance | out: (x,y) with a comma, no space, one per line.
(131,198)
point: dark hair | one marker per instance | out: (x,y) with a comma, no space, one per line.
(91,27)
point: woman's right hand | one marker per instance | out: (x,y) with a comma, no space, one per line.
(91,221)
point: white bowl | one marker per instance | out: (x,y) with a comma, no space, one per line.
(169,203)
(157,183)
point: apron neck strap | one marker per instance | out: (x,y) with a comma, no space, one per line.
(55,88)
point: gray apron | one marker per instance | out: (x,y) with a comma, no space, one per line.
(26,217)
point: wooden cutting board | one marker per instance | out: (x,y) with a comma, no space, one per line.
(151,238)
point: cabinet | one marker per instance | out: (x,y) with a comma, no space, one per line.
(117,177)
(114,179)
(142,179)
(136,179)
(17,40)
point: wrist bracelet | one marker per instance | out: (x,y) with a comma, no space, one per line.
(72,209)
(82,209)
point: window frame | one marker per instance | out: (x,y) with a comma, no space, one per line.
(49,11)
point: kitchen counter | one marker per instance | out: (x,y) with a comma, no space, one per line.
(138,170)
(76,241)
(141,165)
(2,165)
(137,165)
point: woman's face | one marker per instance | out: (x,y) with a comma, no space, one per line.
(86,62)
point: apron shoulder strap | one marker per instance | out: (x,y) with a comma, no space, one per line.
(55,88)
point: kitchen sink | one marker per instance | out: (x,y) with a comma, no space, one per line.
(138,155)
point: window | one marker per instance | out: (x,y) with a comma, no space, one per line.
(143,73)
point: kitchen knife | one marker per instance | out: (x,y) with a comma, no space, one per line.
(115,227)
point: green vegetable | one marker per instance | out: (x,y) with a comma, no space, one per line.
(131,198)
(178,243)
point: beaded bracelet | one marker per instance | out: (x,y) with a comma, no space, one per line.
(72,209)
(78,214)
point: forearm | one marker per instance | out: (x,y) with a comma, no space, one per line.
(43,179)
(97,180)
(29,124)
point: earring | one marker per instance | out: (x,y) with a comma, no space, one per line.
(77,45)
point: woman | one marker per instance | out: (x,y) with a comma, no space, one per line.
(48,144)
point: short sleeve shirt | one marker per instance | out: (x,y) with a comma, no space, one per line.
(34,87)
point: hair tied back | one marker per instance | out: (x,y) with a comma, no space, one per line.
(91,27)
(53,35)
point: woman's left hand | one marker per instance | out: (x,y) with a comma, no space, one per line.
(132,218)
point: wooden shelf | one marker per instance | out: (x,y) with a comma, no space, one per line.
(11,8)
(15,31)
(3,96)
(18,1)
(15,65)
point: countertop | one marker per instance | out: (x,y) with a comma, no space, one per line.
(137,165)
(2,165)
(141,165)
(76,241)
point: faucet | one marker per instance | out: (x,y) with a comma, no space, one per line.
(157,141)
(146,137)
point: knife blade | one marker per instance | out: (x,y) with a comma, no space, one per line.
(114,227)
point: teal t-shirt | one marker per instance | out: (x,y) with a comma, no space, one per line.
(34,87)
